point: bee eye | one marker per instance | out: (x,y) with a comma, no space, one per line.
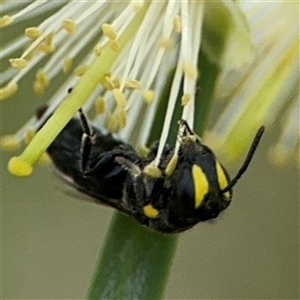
(185,188)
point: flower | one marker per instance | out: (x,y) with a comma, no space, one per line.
(69,31)
(123,56)
(267,90)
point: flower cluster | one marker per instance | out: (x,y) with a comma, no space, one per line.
(267,90)
(119,57)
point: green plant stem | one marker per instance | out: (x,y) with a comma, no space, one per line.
(135,262)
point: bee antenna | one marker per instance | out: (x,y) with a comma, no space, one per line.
(247,161)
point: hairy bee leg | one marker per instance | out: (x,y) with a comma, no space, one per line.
(187,131)
(186,127)
(86,141)
(133,169)
(136,181)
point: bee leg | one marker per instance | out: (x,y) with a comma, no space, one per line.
(135,180)
(86,141)
(186,128)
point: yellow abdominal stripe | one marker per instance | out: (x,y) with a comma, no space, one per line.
(150,211)
(201,184)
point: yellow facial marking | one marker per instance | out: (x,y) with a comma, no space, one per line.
(222,180)
(201,185)
(150,211)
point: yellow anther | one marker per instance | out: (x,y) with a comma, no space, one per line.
(99,105)
(41,82)
(148,96)
(116,83)
(143,150)
(190,71)
(30,54)
(18,63)
(8,91)
(38,88)
(41,77)
(33,32)
(9,142)
(109,31)
(67,64)
(5,21)
(120,98)
(171,166)
(47,45)
(28,136)
(121,117)
(42,48)
(79,71)
(150,211)
(111,123)
(152,171)
(114,45)
(49,38)
(19,167)
(165,42)
(177,23)
(133,84)
(108,83)
(185,99)
(97,50)
(69,25)
(46,48)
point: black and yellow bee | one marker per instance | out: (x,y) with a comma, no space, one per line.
(182,192)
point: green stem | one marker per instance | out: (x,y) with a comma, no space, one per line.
(134,264)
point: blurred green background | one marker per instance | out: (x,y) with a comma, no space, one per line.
(51,240)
